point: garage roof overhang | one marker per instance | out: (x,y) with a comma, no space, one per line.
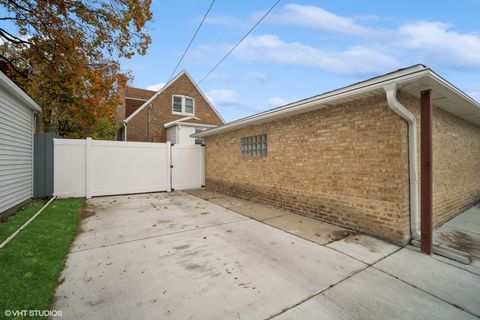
(18,93)
(411,80)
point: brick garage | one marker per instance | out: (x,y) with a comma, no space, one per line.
(342,157)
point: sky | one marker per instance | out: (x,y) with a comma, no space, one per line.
(305,48)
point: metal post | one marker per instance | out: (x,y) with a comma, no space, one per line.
(426,219)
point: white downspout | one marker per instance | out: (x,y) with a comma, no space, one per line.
(395,105)
(125,131)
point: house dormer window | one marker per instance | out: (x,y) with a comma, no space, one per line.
(183,105)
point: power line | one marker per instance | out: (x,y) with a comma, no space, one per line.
(238,43)
(190,43)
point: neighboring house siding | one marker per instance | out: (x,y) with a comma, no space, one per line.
(455,163)
(345,164)
(16,151)
(161,113)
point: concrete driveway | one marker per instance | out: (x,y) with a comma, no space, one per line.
(176,256)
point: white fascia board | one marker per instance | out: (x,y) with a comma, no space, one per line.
(16,91)
(454,90)
(402,76)
(137,99)
(204,96)
(191,124)
(358,88)
(174,122)
(152,99)
(149,101)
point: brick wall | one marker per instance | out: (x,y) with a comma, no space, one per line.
(456,166)
(456,161)
(348,165)
(161,112)
(345,164)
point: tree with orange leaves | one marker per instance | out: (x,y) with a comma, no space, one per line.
(65,55)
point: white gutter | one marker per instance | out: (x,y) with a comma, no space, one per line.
(4,243)
(395,105)
(407,75)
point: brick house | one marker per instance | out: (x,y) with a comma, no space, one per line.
(351,156)
(173,114)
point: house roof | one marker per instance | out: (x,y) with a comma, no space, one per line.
(191,124)
(152,98)
(138,93)
(135,98)
(17,92)
(175,122)
(411,80)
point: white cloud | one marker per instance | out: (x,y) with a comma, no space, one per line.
(318,18)
(228,99)
(371,50)
(156,86)
(354,61)
(258,76)
(437,43)
(225,20)
(222,96)
(221,78)
(277,101)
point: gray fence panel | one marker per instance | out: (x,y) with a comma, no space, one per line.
(43,165)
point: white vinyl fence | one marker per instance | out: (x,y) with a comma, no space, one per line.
(86,168)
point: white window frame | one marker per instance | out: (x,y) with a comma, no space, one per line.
(183,113)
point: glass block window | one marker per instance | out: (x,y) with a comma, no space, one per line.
(254,146)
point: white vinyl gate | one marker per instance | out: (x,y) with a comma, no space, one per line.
(188,166)
(86,168)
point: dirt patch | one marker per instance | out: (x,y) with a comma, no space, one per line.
(461,241)
(87,212)
(340,234)
(371,245)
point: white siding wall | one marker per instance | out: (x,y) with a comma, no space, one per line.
(172,134)
(184,135)
(16,151)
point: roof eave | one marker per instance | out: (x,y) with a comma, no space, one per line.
(414,74)
(16,91)
(152,99)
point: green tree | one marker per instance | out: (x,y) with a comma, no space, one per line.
(65,55)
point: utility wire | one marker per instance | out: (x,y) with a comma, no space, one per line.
(190,43)
(238,43)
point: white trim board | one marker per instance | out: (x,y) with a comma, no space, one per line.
(152,99)
(17,92)
(419,77)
